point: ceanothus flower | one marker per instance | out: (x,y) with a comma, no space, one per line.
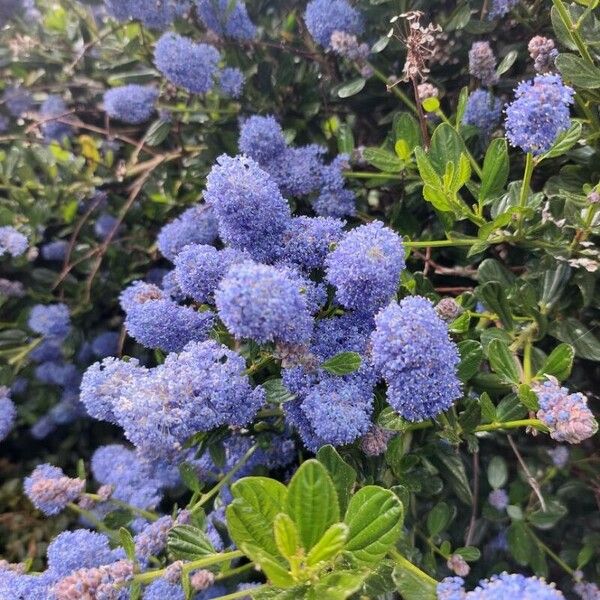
(298,171)
(412,350)
(8,412)
(559,456)
(15,585)
(157,14)
(52,321)
(566,415)
(52,109)
(196,225)
(365,267)
(261,138)
(17,100)
(482,63)
(186,64)
(161,589)
(539,113)
(199,269)
(334,199)
(226,19)
(264,303)
(153,539)
(483,110)
(130,103)
(309,240)
(498,499)
(79,549)
(543,52)
(50,490)
(55,251)
(499,8)
(106,344)
(249,207)
(324,17)
(57,373)
(231,82)
(12,242)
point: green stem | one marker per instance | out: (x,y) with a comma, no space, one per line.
(471,158)
(215,490)
(557,559)
(395,90)
(572,30)
(408,566)
(527,350)
(368,175)
(242,593)
(150,516)
(440,243)
(513,425)
(236,571)
(529,164)
(208,561)
(98,524)
(17,358)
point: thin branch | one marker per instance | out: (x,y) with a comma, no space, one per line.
(530,478)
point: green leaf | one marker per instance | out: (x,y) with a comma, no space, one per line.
(528,397)
(471,355)
(554,282)
(118,518)
(383,160)
(503,362)
(520,543)
(186,542)
(352,88)
(374,517)
(406,128)
(547,519)
(510,408)
(413,587)
(469,553)
(438,519)
(493,296)
(345,139)
(559,363)
(578,71)
(446,146)
(276,391)
(342,474)
(380,45)
(452,469)
(189,477)
(127,543)
(495,170)
(497,473)
(572,331)
(312,502)
(431,105)
(491,270)
(275,571)
(343,363)
(330,545)
(338,585)
(286,535)
(507,62)
(564,142)
(250,517)
(488,410)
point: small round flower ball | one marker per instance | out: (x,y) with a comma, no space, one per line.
(138,292)
(165,325)
(365,267)
(131,103)
(261,138)
(543,52)
(199,269)
(498,499)
(17,100)
(226,18)
(499,8)
(186,64)
(12,242)
(50,490)
(51,110)
(161,589)
(451,588)
(50,320)
(482,63)
(263,303)
(515,586)
(337,203)
(539,113)
(8,413)
(55,251)
(170,286)
(82,548)
(196,225)
(483,110)
(298,171)
(412,350)
(104,225)
(231,82)
(309,240)
(249,207)
(323,17)
(152,540)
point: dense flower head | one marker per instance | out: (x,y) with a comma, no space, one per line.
(101,385)
(261,138)
(587,590)
(160,589)
(8,9)
(566,415)
(226,19)
(8,412)
(412,350)
(264,303)
(499,8)
(498,499)
(104,225)
(51,110)
(50,320)
(17,586)
(12,242)
(482,63)
(17,100)
(231,82)
(309,240)
(543,52)
(56,250)
(196,225)
(11,289)
(347,45)
(153,539)
(249,207)
(365,267)
(130,103)
(483,110)
(158,14)
(324,17)
(375,441)
(451,588)
(105,344)
(539,113)
(57,373)
(133,480)
(298,171)
(50,490)
(186,64)
(334,199)
(79,549)
(559,456)
(347,333)
(199,269)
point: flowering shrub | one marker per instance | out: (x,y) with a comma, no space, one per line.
(299,300)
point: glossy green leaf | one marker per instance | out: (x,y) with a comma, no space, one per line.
(276,391)
(276,571)
(578,335)
(493,296)
(497,472)
(503,362)
(286,535)
(495,170)
(352,88)
(413,587)
(342,474)
(559,363)
(383,160)
(577,71)
(343,363)
(338,585)
(520,543)
(330,545)
(438,519)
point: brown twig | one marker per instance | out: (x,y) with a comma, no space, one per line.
(530,478)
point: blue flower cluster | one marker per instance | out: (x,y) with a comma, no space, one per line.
(499,8)
(412,350)
(17,100)
(8,412)
(231,82)
(52,321)
(324,17)
(52,111)
(483,110)
(226,19)
(157,14)
(539,113)
(12,242)
(482,63)
(50,490)
(130,103)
